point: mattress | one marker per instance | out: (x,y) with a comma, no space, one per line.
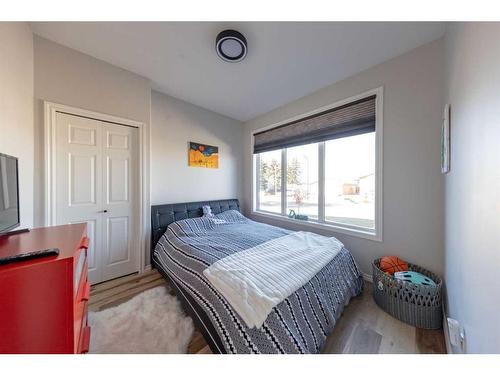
(299,324)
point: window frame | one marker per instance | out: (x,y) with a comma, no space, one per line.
(376,234)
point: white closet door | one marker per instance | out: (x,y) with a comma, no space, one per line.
(120,245)
(96,179)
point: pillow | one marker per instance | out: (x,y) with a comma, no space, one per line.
(231,216)
(392,264)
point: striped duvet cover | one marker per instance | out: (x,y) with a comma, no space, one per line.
(299,324)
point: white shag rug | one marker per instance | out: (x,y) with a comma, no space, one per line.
(151,322)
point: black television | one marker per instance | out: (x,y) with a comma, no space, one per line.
(9,193)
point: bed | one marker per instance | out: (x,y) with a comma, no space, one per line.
(184,244)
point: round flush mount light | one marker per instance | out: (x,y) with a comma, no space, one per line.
(231,46)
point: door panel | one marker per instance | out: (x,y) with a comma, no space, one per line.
(120,191)
(97,183)
(82,135)
(117,141)
(79,180)
(117,230)
(117,179)
(82,179)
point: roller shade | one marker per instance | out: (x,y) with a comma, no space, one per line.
(350,119)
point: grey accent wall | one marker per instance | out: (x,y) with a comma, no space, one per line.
(16,108)
(472,187)
(173,124)
(413,185)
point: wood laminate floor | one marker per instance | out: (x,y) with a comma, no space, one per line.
(363,327)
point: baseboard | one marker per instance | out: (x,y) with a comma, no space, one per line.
(367,277)
(147,268)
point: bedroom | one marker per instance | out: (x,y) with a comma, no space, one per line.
(249,187)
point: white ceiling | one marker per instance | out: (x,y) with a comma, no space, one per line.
(285,61)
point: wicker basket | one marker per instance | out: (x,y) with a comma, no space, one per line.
(418,305)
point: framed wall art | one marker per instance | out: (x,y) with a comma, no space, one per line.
(201,155)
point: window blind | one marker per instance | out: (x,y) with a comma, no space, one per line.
(350,119)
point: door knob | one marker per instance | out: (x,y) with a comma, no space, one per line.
(103,211)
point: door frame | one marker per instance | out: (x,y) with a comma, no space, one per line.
(50,110)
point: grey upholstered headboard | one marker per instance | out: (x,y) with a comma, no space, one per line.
(164,214)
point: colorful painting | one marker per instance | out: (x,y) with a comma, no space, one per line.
(203,155)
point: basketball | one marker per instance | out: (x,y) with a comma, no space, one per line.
(392,264)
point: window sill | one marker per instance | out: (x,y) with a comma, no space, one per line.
(330,227)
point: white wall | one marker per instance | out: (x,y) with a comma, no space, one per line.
(16,108)
(66,76)
(413,187)
(472,187)
(173,124)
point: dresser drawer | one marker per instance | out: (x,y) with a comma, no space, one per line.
(80,321)
(81,264)
(84,345)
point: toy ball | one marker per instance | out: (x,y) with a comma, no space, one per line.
(414,277)
(391,264)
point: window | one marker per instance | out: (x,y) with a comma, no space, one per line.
(323,174)
(270,181)
(302,180)
(350,181)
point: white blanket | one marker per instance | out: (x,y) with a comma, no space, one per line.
(255,280)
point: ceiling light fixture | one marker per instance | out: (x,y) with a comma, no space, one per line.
(231,46)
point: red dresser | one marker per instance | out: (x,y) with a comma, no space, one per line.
(43,302)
